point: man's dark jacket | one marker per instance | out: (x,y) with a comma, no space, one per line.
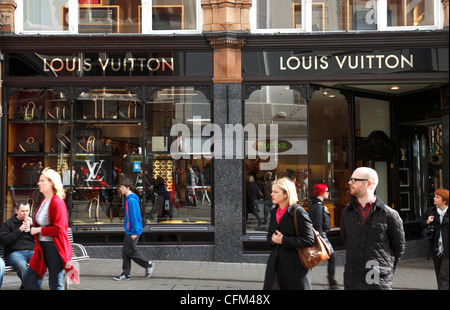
(13,239)
(373,249)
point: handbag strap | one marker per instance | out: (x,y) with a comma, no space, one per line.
(30,107)
(90,144)
(63,112)
(295,221)
(59,136)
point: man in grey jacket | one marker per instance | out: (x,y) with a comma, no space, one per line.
(372,234)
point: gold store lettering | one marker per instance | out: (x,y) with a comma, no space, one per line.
(126,64)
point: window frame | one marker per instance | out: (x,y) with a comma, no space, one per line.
(381,6)
(73,17)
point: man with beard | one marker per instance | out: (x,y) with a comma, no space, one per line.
(372,234)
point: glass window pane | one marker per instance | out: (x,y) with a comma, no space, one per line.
(45,15)
(180,163)
(32,143)
(286,108)
(343,15)
(174,14)
(328,148)
(120,16)
(410,13)
(108,145)
(279,14)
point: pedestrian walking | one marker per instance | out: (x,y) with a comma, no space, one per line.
(321,220)
(133,230)
(52,250)
(372,234)
(436,219)
(284,269)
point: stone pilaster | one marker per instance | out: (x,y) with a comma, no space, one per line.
(445,5)
(7,9)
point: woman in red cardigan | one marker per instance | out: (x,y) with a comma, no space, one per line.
(52,250)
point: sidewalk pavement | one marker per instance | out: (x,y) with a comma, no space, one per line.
(97,274)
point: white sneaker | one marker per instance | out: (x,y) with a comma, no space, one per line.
(149,269)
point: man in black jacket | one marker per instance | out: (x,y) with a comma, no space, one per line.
(373,235)
(16,239)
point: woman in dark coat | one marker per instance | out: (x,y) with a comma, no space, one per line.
(284,270)
(437,216)
(321,219)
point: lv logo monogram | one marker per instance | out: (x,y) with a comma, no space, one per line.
(93,170)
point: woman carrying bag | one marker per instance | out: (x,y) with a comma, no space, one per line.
(436,217)
(52,250)
(284,269)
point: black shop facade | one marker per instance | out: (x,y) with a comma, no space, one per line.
(100,110)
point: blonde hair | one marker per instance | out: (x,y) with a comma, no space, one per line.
(54,176)
(288,188)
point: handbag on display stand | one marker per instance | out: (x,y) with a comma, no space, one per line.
(29,111)
(63,144)
(96,203)
(30,145)
(58,112)
(313,255)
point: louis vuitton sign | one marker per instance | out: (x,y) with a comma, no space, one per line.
(304,63)
(141,64)
(189,63)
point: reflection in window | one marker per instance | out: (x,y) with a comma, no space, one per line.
(44,15)
(286,108)
(328,148)
(410,13)
(278,14)
(174,15)
(177,165)
(343,15)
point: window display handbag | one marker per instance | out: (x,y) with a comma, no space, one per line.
(94,203)
(58,112)
(63,144)
(30,145)
(29,174)
(313,255)
(29,111)
(130,110)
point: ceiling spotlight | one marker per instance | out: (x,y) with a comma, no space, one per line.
(395,87)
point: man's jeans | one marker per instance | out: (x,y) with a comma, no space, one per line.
(19,260)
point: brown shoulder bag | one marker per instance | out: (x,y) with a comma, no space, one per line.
(313,255)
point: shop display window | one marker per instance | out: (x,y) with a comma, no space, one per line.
(104,136)
(309,149)
(108,140)
(38,137)
(287,109)
(185,172)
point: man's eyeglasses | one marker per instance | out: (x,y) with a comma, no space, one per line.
(354,180)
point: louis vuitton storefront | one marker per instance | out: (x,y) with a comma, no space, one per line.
(100,108)
(98,117)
